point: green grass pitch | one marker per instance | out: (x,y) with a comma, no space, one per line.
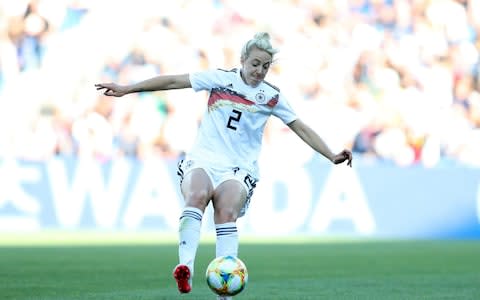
(108,266)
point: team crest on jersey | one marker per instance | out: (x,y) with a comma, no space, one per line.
(260,98)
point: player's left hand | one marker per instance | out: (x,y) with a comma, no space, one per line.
(345,155)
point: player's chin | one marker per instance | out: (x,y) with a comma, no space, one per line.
(257,80)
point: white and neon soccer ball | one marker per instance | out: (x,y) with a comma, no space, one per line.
(227,275)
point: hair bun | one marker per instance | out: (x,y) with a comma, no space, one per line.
(262,36)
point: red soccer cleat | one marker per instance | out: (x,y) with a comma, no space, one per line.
(182,275)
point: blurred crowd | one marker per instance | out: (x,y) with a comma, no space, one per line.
(395,80)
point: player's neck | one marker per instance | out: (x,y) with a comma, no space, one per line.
(243,77)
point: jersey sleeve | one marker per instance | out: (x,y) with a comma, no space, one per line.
(284,111)
(205,80)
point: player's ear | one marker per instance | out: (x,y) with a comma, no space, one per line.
(242,58)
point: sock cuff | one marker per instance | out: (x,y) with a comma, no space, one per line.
(226,229)
(225,225)
(192,212)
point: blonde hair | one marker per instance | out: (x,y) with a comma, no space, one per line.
(261,40)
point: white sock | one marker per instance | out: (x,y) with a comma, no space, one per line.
(189,235)
(227,239)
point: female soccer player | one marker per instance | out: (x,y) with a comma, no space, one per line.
(222,165)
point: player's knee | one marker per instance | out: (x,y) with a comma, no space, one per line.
(225,215)
(197,198)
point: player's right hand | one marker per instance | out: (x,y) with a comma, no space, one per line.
(112,89)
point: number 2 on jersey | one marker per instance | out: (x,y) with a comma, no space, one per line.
(236,118)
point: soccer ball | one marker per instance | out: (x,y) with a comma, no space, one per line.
(226,275)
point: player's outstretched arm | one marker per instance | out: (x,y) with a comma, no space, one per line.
(316,142)
(159,83)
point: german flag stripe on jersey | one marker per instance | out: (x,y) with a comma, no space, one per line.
(217,94)
(272,102)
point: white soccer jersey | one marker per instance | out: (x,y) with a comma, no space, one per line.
(231,131)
